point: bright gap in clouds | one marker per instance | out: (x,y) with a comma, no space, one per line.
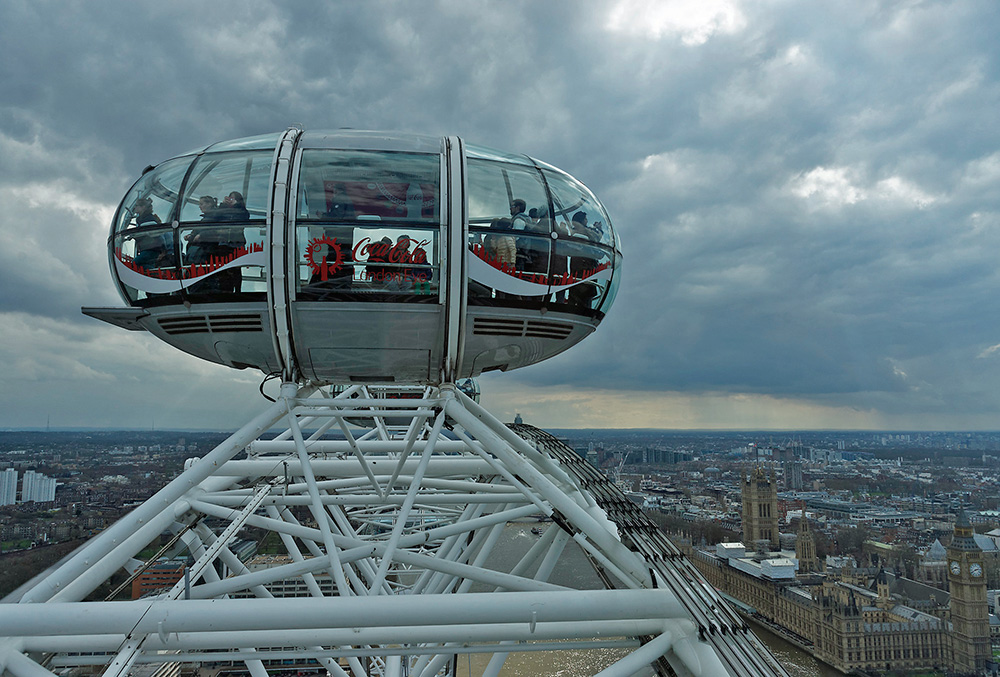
(839,186)
(694,21)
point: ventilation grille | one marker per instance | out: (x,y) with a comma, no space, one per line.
(200,324)
(497,326)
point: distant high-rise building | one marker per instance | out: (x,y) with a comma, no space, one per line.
(8,487)
(37,487)
(793,475)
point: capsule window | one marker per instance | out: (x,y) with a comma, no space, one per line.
(499,190)
(151,200)
(222,233)
(576,212)
(581,274)
(368,226)
(348,262)
(227,187)
(349,185)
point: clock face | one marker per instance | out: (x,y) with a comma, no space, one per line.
(955,567)
(976,569)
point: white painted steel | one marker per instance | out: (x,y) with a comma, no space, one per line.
(392,535)
(278,205)
(454,189)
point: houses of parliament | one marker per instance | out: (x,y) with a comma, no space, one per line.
(855,619)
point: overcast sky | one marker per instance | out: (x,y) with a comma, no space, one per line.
(808,193)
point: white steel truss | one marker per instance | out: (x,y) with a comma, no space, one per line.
(388,536)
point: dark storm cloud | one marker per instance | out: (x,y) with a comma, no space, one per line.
(807,194)
(822,224)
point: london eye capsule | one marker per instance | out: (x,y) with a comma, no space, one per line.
(347,256)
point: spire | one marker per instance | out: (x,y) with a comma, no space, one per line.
(882,588)
(965,535)
(881,578)
(963,520)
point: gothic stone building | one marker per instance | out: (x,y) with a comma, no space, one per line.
(852,619)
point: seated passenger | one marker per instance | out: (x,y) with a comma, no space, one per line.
(217,246)
(144,212)
(502,249)
(208,205)
(152,251)
(518,215)
(233,208)
(583,228)
(584,264)
(579,226)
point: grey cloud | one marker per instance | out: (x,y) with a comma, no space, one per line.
(808,204)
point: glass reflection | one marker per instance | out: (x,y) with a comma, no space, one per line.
(151,200)
(499,190)
(577,212)
(368,186)
(145,264)
(227,187)
(215,256)
(586,272)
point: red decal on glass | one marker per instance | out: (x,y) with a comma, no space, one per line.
(324,267)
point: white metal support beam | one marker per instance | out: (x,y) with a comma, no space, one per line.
(391,552)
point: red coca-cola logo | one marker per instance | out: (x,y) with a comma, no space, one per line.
(386,252)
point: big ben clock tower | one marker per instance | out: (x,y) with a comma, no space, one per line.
(969,615)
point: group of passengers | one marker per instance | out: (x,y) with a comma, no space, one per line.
(207,245)
(204,245)
(522,254)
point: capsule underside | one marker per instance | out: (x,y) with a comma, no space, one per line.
(361,256)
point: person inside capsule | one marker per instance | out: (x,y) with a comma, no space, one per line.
(153,251)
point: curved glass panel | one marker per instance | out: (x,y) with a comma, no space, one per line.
(581,274)
(227,187)
(222,255)
(226,197)
(499,190)
(616,280)
(151,200)
(505,266)
(472,151)
(577,212)
(352,185)
(260,142)
(218,259)
(144,262)
(519,255)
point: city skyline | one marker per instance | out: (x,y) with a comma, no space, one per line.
(807,196)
